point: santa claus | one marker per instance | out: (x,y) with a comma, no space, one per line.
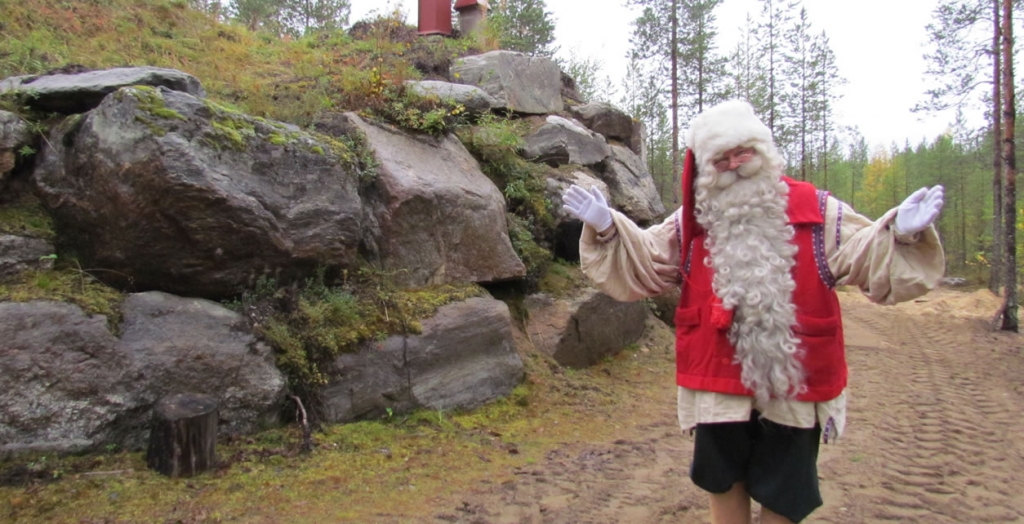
(760,361)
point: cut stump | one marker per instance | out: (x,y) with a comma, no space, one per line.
(183,435)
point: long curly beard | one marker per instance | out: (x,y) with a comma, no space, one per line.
(751,253)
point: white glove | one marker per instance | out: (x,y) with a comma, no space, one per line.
(919,210)
(588,206)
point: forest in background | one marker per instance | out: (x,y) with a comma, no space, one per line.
(290,59)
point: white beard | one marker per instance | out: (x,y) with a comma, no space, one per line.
(751,254)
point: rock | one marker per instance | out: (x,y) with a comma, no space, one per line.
(612,123)
(179,345)
(475,100)
(441,219)
(183,196)
(65,378)
(70,385)
(14,135)
(19,253)
(580,331)
(517,81)
(81,92)
(631,186)
(560,141)
(464,357)
(566,229)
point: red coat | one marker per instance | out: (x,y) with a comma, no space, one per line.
(704,355)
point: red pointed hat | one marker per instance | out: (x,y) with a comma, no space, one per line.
(689,225)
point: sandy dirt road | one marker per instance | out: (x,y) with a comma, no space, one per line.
(935,435)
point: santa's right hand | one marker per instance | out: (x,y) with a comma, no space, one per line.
(588,206)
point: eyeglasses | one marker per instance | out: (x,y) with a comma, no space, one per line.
(733,158)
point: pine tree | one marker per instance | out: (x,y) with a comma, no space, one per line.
(678,38)
(643,98)
(803,94)
(702,70)
(1010,318)
(957,62)
(746,71)
(265,15)
(829,82)
(586,71)
(655,40)
(770,35)
(525,26)
(307,16)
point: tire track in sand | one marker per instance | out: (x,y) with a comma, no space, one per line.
(947,444)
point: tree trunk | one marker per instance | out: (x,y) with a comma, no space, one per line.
(183,435)
(676,175)
(1010,320)
(996,272)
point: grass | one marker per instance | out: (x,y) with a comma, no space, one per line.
(66,283)
(397,469)
(26,216)
(396,466)
(262,74)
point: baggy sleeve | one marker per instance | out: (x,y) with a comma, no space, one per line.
(888,268)
(632,263)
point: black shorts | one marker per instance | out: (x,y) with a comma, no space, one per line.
(778,464)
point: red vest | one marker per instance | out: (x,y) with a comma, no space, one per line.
(704,355)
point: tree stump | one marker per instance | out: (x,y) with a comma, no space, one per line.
(183,435)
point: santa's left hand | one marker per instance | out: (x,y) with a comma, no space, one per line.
(919,210)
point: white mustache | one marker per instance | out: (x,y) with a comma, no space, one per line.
(727,178)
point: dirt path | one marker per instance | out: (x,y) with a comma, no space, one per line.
(935,435)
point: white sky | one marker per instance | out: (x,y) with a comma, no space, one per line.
(879,47)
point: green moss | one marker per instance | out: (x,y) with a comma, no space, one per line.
(352,151)
(311,325)
(66,285)
(232,132)
(231,129)
(26,216)
(536,258)
(152,102)
(153,128)
(562,279)
(277,139)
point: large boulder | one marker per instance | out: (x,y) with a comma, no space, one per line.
(561,141)
(464,357)
(188,345)
(519,82)
(80,92)
(66,380)
(579,331)
(632,188)
(441,219)
(70,385)
(171,192)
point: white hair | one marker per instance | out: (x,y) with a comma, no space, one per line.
(750,250)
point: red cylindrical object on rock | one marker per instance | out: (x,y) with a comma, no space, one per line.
(435,17)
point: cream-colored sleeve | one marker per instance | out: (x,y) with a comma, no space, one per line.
(888,268)
(633,263)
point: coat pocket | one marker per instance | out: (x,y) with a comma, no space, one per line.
(816,326)
(687,318)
